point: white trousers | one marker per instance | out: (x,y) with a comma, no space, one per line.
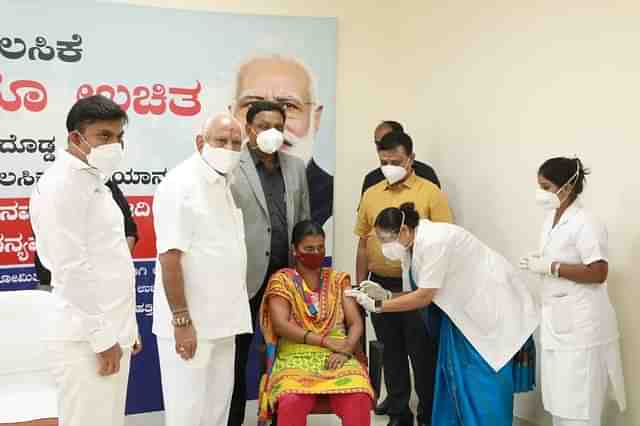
(575,383)
(84,397)
(197,392)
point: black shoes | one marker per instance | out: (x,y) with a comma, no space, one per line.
(406,420)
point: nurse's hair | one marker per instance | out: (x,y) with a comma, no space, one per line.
(392,218)
(561,170)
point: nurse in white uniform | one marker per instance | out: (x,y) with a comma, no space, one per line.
(488,315)
(579,332)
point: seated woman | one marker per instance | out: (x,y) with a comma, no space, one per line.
(312,330)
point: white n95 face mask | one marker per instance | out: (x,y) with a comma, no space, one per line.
(221,159)
(105,158)
(394,250)
(547,200)
(393,173)
(269,141)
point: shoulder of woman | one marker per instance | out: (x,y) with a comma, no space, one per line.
(591,222)
(284,273)
(343,279)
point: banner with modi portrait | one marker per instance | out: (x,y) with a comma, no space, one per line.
(169,70)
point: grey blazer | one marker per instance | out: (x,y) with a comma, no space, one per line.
(249,196)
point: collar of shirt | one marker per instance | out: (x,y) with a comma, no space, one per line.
(569,213)
(75,163)
(259,161)
(407,183)
(207,172)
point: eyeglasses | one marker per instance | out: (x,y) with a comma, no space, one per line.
(295,109)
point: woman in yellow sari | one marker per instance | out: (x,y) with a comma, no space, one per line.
(312,330)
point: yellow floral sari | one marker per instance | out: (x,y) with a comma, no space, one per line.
(301,368)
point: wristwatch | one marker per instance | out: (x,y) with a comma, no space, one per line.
(378,306)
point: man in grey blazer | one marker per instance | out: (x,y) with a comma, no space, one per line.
(270,188)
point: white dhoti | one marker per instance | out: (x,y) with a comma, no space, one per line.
(197,392)
(575,383)
(84,397)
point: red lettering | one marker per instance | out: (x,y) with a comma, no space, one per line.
(149,100)
(189,96)
(28,93)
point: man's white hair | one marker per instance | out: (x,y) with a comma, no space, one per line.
(313,86)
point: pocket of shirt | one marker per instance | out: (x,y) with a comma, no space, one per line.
(562,314)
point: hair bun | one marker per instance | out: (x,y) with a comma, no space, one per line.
(408,207)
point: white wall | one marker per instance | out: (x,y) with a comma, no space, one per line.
(488,90)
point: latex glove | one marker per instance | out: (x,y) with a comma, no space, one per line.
(363,300)
(374,290)
(536,263)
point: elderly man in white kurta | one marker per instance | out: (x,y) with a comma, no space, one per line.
(201,299)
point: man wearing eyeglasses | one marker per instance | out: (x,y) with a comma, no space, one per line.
(289,83)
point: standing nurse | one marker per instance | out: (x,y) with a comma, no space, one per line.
(579,331)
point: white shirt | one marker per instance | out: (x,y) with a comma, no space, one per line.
(80,238)
(477,288)
(575,316)
(194,212)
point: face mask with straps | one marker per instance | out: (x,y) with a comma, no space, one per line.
(550,200)
(395,250)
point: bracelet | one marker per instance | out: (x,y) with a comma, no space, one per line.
(304,339)
(181,322)
(181,319)
(556,269)
(179,311)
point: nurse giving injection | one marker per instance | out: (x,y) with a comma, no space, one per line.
(579,332)
(488,315)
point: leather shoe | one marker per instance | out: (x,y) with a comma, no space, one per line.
(382,407)
(406,420)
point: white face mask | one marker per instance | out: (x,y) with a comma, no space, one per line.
(220,159)
(549,200)
(269,141)
(393,174)
(105,158)
(394,250)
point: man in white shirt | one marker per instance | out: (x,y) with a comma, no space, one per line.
(202,264)
(80,238)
